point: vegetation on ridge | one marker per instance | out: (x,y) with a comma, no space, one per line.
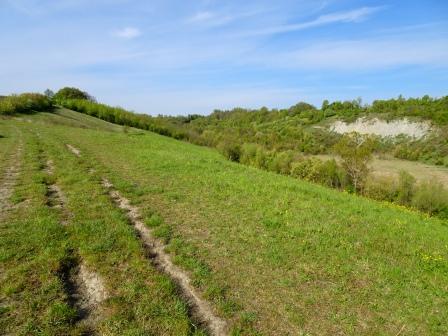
(284,141)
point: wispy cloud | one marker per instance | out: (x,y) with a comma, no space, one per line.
(201,17)
(213,19)
(128,33)
(368,54)
(355,15)
(210,19)
(179,56)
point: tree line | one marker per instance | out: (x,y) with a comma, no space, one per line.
(24,103)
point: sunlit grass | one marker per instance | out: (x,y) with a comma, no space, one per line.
(275,255)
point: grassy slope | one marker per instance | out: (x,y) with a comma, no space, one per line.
(277,254)
(34,247)
(62,116)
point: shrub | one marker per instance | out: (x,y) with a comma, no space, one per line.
(332,175)
(405,188)
(381,188)
(327,173)
(249,154)
(303,168)
(230,150)
(281,162)
(262,158)
(24,103)
(431,197)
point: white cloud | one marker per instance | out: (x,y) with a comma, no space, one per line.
(213,19)
(356,15)
(201,16)
(369,54)
(128,33)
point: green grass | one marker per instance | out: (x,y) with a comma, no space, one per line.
(34,247)
(8,144)
(275,255)
(64,117)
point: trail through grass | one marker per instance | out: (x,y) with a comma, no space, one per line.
(272,254)
(38,255)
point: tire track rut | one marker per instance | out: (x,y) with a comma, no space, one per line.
(200,309)
(84,287)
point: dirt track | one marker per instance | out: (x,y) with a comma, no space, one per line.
(9,181)
(201,310)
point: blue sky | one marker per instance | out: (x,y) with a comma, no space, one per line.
(182,56)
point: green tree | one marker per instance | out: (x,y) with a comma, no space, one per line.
(49,93)
(71,93)
(356,152)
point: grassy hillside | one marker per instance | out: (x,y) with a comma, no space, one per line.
(42,244)
(294,128)
(292,141)
(274,255)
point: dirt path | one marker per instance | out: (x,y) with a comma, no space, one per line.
(201,310)
(9,181)
(55,196)
(83,286)
(74,150)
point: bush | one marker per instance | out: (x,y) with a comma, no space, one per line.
(332,175)
(249,154)
(230,150)
(381,188)
(24,103)
(431,197)
(281,162)
(303,168)
(328,173)
(406,188)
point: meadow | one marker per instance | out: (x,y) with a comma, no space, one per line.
(272,254)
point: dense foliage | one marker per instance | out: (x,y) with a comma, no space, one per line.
(24,103)
(69,93)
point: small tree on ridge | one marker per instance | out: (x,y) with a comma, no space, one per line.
(356,152)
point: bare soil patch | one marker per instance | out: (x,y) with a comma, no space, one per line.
(74,150)
(85,292)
